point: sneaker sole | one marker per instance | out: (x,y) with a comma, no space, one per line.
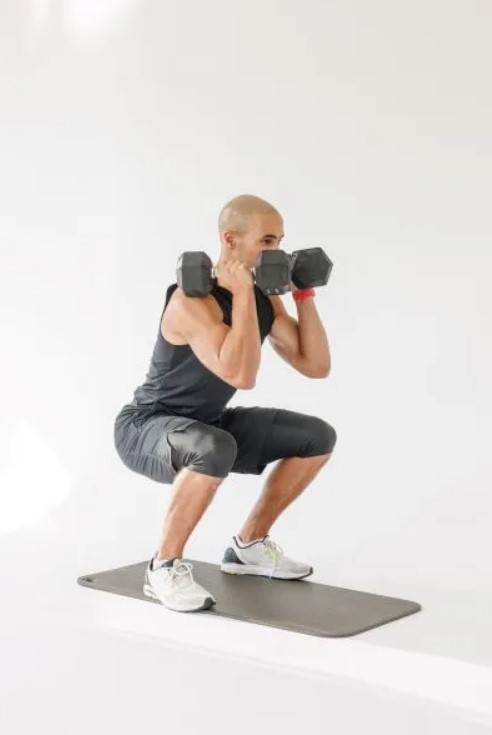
(250,569)
(208,602)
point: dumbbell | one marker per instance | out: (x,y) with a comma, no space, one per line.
(310,267)
(272,272)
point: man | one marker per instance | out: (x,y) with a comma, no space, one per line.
(178,430)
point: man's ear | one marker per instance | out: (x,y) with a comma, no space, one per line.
(229,240)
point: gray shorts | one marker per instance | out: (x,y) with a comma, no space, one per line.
(245,440)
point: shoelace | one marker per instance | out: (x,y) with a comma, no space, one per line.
(181,569)
(274,551)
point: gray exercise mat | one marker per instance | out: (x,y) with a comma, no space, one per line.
(298,605)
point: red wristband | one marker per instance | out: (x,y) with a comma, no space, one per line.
(303,293)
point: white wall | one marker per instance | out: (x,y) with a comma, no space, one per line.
(124,127)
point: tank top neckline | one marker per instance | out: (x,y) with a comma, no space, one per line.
(223,288)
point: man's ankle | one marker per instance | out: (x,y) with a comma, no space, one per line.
(247,538)
(166,557)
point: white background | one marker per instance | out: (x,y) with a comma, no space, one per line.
(124,128)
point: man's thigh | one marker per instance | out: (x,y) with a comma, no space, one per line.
(264,435)
(159,446)
(249,425)
(143,443)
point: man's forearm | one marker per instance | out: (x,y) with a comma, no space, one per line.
(313,342)
(241,350)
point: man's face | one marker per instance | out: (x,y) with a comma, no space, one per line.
(265,233)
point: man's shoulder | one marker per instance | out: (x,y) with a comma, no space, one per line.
(182,309)
(181,303)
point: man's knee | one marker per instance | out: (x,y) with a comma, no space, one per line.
(212,452)
(219,451)
(322,437)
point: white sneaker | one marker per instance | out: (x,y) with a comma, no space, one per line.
(175,587)
(263,557)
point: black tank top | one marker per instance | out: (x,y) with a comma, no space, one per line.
(177,383)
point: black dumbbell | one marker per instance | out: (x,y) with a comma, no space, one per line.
(310,267)
(272,272)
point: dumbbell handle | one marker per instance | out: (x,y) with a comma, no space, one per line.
(214,273)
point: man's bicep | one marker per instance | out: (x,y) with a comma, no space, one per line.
(284,337)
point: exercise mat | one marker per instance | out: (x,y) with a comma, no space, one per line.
(297,605)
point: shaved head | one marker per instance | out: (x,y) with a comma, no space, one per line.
(248,225)
(237,214)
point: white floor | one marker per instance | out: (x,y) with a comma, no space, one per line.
(75,660)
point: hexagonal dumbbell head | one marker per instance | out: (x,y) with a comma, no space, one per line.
(273,272)
(194,273)
(310,267)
